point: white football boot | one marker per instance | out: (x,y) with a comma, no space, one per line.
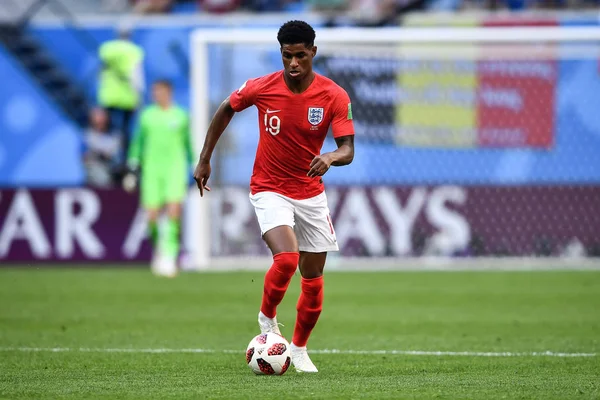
(156,262)
(267,324)
(165,266)
(301,360)
(169,266)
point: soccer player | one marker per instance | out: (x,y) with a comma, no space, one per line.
(122,83)
(162,150)
(296,107)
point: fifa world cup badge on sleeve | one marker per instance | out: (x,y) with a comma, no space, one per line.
(315,115)
(349,111)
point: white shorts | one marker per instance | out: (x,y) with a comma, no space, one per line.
(309,218)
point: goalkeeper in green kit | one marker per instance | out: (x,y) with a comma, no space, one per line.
(161,155)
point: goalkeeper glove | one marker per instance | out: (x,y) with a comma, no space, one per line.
(130,180)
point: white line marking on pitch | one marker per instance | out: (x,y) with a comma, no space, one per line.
(323,351)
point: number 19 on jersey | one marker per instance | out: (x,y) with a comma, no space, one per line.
(272,124)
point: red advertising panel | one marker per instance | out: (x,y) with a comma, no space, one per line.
(516,97)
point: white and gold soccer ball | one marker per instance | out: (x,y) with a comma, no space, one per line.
(268,354)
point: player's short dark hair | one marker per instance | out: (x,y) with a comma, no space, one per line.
(164,82)
(295,32)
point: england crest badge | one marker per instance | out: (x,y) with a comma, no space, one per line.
(315,115)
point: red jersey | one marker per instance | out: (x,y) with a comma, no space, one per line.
(292,129)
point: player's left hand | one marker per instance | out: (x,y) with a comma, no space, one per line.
(320,165)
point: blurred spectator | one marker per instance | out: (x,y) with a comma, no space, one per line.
(151,6)
(366,12)
(219,6)
(115,5)
(122,84)
(267,5)
(381,12)
(372,12)
(102,151)
(328,5)
(330,9)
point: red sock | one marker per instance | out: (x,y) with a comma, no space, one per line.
(277,279)
(309,308)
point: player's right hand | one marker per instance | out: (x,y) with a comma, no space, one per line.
(201,175)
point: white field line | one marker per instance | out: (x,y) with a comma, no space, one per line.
(322,351)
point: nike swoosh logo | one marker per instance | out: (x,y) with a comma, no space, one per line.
(272,111)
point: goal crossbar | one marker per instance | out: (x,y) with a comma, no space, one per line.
(410,35)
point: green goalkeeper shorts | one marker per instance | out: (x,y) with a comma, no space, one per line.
(158,189)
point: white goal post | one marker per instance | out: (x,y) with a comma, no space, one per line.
(508,42)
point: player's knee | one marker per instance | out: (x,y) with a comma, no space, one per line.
(312,264)
(152,215)
(174,213)
(311,272)
(287,260)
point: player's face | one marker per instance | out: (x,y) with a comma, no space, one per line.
(297,60)
(161,94)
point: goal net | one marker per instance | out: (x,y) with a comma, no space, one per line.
(471,144)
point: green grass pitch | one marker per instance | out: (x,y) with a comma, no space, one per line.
(107,327)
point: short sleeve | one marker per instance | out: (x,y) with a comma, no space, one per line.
(342,124)
(245,96)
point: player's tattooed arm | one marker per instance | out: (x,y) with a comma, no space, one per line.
(342,156)
(216,128)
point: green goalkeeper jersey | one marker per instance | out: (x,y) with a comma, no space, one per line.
(161,143)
